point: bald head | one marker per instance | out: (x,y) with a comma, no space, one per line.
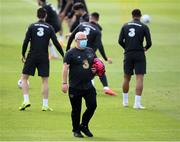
(81,40)
(80,36)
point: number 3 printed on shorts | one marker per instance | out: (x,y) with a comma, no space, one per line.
(40,32)
(131,32)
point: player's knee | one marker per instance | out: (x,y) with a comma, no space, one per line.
(76,110)
(24,77)
(139,88)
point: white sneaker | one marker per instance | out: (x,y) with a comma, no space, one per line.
(125,104)
(138,107)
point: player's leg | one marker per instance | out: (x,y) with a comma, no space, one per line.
(76,102)
(91,104)
(71,18)
(128,71)
(45,93)
(93,83)
(42,64)
(106,88)
(59,32)
(140,70)
(139,89)
(125,85)
(125,88)
(25,89)
(52,52)
(20,82)
(28,69)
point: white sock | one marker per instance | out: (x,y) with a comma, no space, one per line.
(106,88)
(45,102)
(93,83)
(52,51)
(125,98)
(26,98)
(61,38)
(137,100)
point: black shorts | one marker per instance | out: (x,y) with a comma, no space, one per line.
(134,61)
(41,62)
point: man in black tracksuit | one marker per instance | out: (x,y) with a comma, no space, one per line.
(93,31)
(131,39)
(39,35)
(78,67)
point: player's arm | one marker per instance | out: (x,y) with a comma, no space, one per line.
(25,44)
(148,38)
(56,43)
(100,47)
(65,72)
(121,40)
(65,77)
(68,4)
(71,37)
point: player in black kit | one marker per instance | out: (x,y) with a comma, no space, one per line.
(54,20)
(38,34)
(78,62)
(65,8)
(71,15)
(131,39)
(93,31)
(52,17)
(81,14)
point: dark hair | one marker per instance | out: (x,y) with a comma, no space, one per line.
(136,13)
(95,15)
(41,13)
(43,1)
(78,6)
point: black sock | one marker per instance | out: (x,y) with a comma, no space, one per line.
(104,80)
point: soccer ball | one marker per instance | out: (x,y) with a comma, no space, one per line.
(20,83)
(146,19)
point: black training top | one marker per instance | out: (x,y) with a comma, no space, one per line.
(93,33)
(80,62)
(132,36)
(39,34)
(79,19)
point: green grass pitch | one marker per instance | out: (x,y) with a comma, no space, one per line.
(111,122)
